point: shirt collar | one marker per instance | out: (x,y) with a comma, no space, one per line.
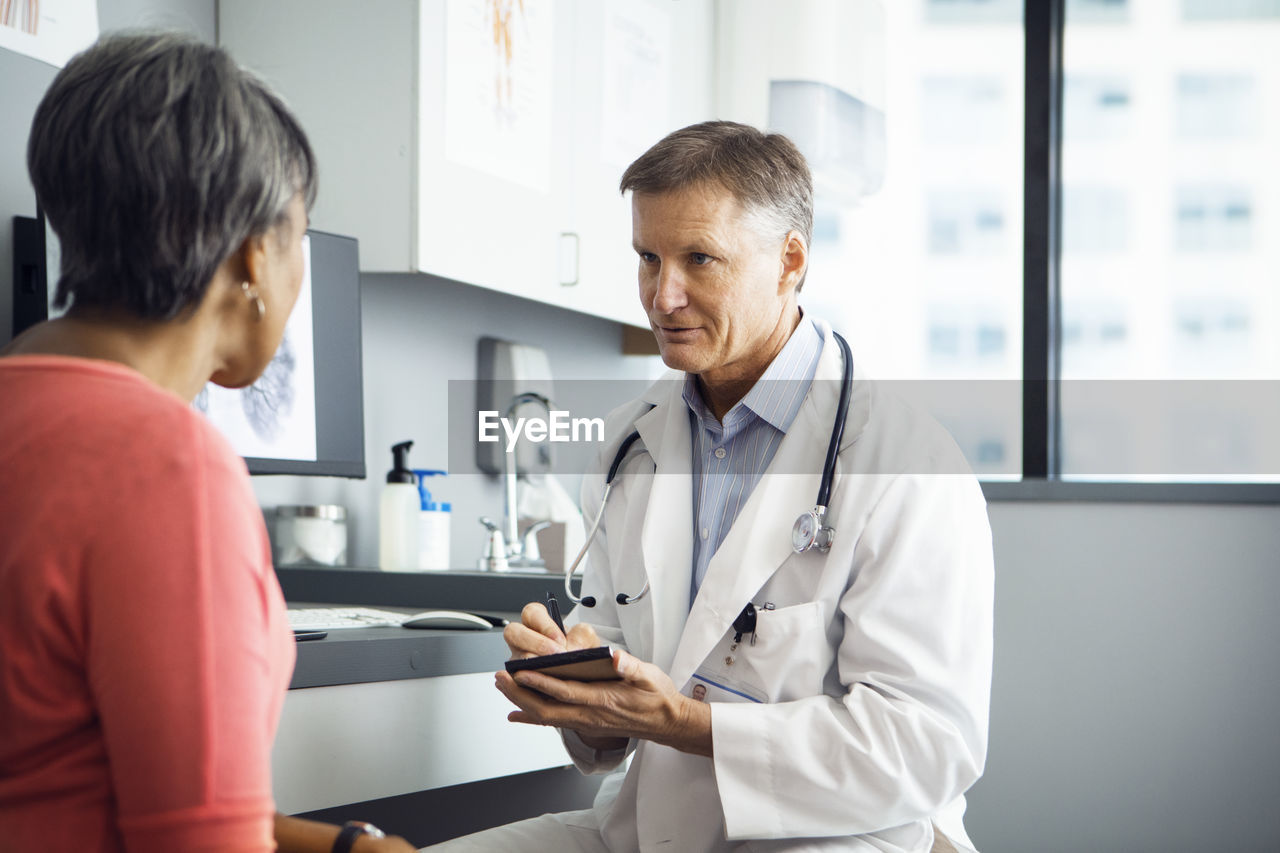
(778,393)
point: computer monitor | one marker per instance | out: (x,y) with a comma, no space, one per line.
(305,415)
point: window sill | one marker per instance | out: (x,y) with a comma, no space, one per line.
(1058,490)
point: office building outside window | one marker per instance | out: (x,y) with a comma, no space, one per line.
(1096,106)
(1230,10)
(925,275)
(1170,286)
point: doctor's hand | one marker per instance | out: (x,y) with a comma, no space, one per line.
(643,704)
(537,634)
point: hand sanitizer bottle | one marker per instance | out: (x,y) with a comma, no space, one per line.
(398,515)
(433,525)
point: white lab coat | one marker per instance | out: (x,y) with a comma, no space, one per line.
(875,666)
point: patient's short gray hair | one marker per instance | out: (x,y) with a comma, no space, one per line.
(154,156)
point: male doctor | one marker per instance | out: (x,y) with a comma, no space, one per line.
(854,716)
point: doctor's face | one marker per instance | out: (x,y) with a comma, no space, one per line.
(720,294)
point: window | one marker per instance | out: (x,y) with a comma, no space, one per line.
(966,222)
(1213,219)
(1153,331)
(923,273)
(1229,10)
(1216,105)
(1098,11)
(974,11)
(959,110)
(1095,335)
(1095,220)
(1168,286)
(1096,106)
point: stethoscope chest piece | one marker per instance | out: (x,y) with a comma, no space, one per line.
(809,533)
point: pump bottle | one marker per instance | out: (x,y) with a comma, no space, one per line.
(398,515)
(433,525)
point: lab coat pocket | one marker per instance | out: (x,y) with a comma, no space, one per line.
(788,659)
(790,655)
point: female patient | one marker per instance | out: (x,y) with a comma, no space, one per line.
(144,650)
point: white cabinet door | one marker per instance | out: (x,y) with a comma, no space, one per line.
(643,69)
(494,177)
(457,145)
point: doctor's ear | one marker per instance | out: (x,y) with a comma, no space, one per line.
(793,262)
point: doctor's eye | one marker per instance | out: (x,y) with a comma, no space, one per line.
(648,258)
(700,259)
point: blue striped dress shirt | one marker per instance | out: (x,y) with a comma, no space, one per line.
(730,456)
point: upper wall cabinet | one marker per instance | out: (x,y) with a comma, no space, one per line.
(483,140)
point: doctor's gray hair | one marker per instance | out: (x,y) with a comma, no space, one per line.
(154,156)
(765,172)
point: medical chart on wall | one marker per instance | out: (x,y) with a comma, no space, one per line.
(637,80)
(51,31)
(275,418)
(498,88)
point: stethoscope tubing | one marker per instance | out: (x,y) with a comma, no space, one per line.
(824,489)
(837,433)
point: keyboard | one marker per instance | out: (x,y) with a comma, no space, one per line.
(332,618)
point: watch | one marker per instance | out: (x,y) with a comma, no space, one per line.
(352,830)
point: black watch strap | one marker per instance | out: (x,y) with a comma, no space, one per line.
(346,839)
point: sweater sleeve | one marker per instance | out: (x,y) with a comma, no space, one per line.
(179,654)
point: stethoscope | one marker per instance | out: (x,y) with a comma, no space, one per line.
(808,533)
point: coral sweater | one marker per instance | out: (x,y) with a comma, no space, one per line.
(144,647)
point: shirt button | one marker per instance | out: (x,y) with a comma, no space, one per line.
(705,533)
(720,454)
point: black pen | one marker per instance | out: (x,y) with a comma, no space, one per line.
(553,607)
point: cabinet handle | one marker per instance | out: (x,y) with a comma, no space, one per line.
(570,247)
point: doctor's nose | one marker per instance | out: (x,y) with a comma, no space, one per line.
(670,291)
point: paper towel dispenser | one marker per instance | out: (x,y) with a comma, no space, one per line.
(507,369)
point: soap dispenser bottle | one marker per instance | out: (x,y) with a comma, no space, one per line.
(433,525)
(398,515)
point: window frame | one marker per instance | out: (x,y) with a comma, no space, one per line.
(1044,24)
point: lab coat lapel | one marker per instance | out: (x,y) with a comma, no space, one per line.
(667,538)
(759,541)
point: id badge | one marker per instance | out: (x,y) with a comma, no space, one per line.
(716,686)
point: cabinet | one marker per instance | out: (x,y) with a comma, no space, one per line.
(388,95)
(661,57)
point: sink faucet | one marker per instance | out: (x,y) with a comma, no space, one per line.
(521,551)
(495,552)
(529,544)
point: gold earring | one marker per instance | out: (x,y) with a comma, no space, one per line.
(253,294)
